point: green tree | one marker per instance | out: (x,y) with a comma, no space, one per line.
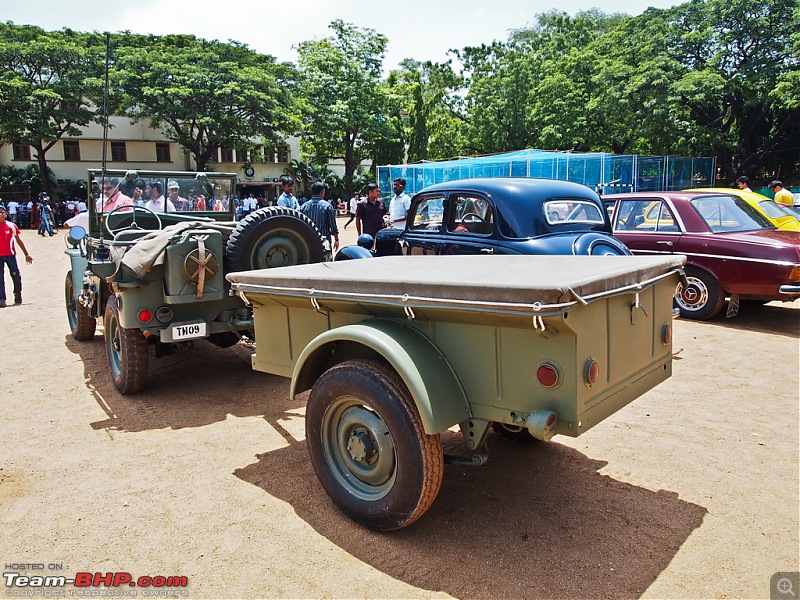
(48,83)
(206,95)
(733,53)
(346,112)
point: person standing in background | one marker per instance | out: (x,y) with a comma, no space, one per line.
(399,205)
(9,233)
(782,195)
(322,214)
(743,183)
(287,199)
(370,212)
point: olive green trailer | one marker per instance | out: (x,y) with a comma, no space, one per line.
(398,349)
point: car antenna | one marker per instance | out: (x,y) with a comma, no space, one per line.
(102,252)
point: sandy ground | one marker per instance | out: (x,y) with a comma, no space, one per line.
(689,492)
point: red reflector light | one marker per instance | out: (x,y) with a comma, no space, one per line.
(666,334)
(145,315)
(592,371)
(547,375)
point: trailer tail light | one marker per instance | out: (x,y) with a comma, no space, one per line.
(548,375)
(164,314)
(666,334)
(591,371)
(145,316)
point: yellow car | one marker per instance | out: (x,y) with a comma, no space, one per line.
(775,213)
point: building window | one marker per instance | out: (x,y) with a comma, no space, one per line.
(72,150)
(283,154)
(162,152)
(242,156)
(226,155)
(118,152)
(22,151)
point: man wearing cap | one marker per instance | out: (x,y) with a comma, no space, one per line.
(179,201)
(8,256)
(782,196)
(112,198)
(157,202)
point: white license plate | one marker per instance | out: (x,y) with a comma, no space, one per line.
(188,332)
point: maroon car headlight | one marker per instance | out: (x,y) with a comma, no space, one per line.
(794,275)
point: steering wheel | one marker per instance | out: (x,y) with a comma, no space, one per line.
(473,218)
(112,231)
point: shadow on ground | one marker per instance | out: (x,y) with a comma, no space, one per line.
(775,318)
(536,521)
(192,389)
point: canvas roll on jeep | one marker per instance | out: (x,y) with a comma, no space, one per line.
(150,255)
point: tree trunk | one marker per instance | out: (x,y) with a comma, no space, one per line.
(43,170)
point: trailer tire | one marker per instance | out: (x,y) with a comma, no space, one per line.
(703,298)
(81,323)
(273,237)
(127,352)
(368,446)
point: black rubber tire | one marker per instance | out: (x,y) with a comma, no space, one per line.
(81,324)
(273,237)
(127,352)
(702,299)
(521,435)
(364,406)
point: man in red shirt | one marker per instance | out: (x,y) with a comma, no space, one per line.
(8,256)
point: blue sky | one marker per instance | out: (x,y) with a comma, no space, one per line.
(419,29)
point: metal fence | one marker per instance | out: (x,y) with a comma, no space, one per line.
(605,173)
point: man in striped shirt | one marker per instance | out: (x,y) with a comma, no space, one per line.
(322,214)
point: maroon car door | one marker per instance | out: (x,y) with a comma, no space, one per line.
(647,226)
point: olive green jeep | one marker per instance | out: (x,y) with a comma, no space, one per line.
(149,258)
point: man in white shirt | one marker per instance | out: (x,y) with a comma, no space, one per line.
(157,200)
(400,203)
(12,210)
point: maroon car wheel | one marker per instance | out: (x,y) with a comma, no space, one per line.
(701,297)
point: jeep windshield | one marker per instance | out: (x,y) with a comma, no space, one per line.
(174,196)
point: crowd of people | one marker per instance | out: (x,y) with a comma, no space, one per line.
(43,213)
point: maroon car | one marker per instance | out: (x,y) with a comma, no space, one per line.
(731,249)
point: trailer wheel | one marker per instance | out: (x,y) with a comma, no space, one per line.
(273,237)
(518,434)
(127,352)
(702,298)
(81,324)
(368,446)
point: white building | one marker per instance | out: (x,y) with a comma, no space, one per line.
(139,147)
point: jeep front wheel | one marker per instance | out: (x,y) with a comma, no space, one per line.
(127,352)
(273,237)
(368,446)
(81,324)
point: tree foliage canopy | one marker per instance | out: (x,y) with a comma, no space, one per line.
(707,77)
(206,95)
(49,86)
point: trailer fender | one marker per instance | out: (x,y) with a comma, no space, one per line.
(434,386)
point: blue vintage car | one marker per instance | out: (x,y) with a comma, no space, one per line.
(499,216)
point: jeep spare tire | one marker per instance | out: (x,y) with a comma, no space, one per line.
(273,237)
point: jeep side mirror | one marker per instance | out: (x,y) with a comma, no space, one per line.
(75,235)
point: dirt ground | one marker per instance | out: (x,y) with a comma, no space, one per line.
(689,492)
